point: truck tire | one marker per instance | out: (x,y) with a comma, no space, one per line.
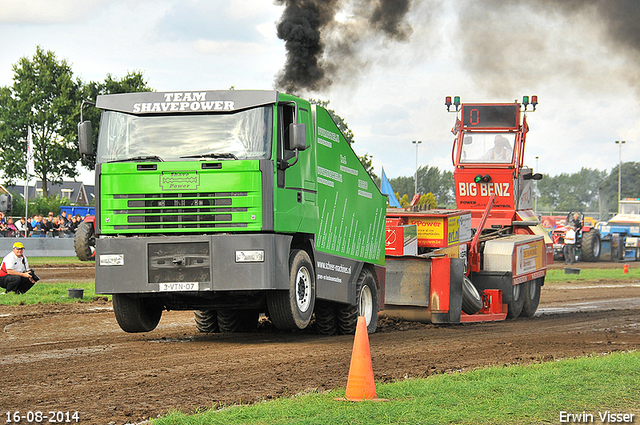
(471,299)
(84,241)
(136,314)
(590,248)
(367,305)
(326,320)
(207,321)
(292,309)
(531,291)
(517,302)
(237,320)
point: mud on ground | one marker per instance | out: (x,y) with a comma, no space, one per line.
(74,357)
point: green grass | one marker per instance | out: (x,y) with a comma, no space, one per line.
(595,274)
(38,261)
(530,394)
(47,293)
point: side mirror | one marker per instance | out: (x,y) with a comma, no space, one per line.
(536,176)
(85,138)
(298,137)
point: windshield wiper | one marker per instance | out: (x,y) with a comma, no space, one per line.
(212,155)
(141,158)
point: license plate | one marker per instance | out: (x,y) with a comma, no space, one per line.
(178,286)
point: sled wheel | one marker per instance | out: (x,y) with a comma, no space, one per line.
(136,314)
(367,305)
(517,301)
(292,309)
(531,297)
(471,299)
(207,321)
(85,241)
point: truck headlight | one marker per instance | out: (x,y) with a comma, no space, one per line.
(112,259)
(249,256)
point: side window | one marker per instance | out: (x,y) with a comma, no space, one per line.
(286,114)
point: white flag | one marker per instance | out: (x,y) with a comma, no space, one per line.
(30,159)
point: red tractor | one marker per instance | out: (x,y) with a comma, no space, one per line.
(587,239)
(85,239)
(492,182)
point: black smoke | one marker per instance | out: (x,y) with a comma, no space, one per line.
(322,50)
(508,45)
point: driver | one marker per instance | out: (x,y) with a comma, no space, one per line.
(501,149)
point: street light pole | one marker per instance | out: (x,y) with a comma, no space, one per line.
(535,199)
(416,142)
(620,142)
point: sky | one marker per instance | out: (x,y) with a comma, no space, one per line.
(580,57)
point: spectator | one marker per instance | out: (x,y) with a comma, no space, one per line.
(14,272)
(22,227)
(11,228)
(47,227)
(569,245)
(63,215)
(3,225)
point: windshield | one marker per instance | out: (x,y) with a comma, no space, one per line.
(630,208)
(495,148)
(241,135)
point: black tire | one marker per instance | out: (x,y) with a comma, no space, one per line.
(531,291)
(237,320)
(326,320)
(471,299)
(517,301)
(85,241)
(136,314)
(292,309)
(590,247)
(207,321)
(367,305)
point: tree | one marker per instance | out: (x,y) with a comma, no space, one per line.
(131,83)
(44,96)
(348,135)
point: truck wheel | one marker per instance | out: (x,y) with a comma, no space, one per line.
(85,241)
(517,302)
(293,309)
(207,321)
(136,314)
(531,291)
(325,313)
(471,299)
(367,305)
(591,246)
(237,320)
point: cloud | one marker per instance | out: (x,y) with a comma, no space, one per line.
(44,11)
(219,20)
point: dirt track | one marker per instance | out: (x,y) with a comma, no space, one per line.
(75,357)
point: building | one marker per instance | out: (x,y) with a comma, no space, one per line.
(78,193)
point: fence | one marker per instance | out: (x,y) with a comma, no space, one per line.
(41,247)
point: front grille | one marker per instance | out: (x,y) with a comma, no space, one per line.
(177,211)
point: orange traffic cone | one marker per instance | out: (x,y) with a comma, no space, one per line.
(360,385)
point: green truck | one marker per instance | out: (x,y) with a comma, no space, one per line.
(233,204)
